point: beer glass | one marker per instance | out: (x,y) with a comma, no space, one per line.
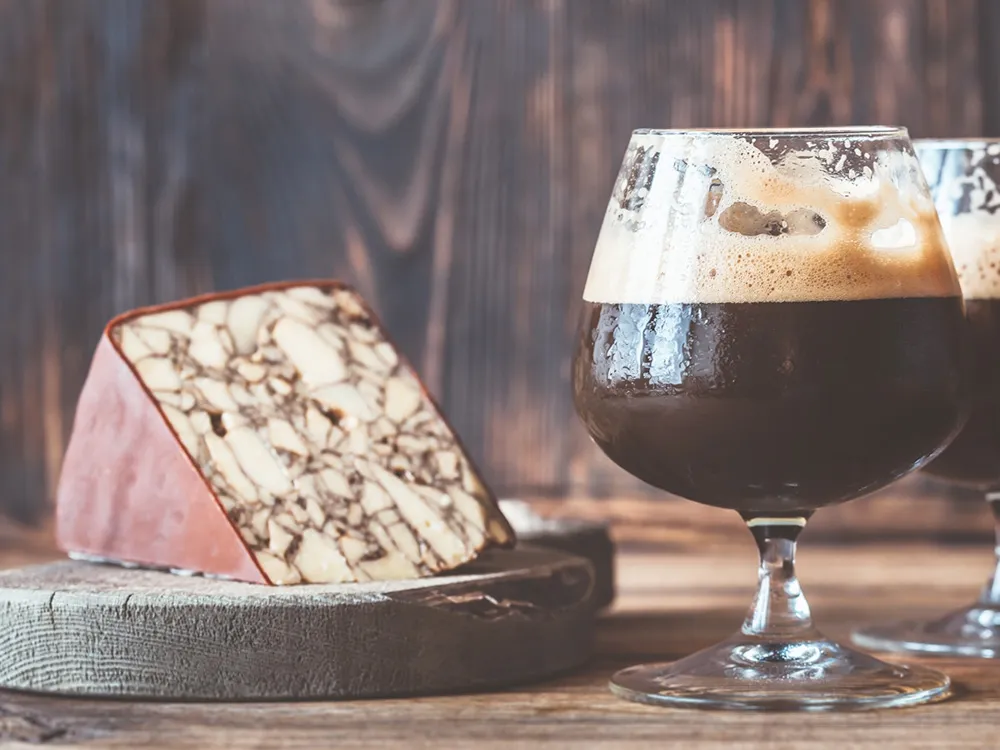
(963,177)
(772,324)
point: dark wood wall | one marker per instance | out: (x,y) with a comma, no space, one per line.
(452,158)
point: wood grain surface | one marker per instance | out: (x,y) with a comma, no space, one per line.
(589,539)
(669,604)
(452,158)
(74,628)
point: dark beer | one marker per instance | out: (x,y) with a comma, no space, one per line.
(771,407)
(974,457)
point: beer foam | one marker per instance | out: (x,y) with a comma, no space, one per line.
(969,207)
(974,241)
(713,218)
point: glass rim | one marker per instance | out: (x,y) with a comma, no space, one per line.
(848,131)
(948,144)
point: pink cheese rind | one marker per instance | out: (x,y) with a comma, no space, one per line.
(128,490)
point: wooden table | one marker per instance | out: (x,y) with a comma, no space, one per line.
(669,604)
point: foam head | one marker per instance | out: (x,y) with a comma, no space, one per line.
(963,178)
(769,216)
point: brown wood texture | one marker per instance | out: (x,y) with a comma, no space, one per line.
(669,605)
(451,158)
(589,539)
(80,629)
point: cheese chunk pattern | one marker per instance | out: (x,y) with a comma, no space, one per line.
(320,444)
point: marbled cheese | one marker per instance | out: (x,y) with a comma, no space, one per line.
(317,441)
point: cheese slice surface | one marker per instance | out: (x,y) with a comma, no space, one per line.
(272,435)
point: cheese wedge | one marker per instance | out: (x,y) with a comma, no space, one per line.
(271,435)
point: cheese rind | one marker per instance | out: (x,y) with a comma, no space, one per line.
(303,440)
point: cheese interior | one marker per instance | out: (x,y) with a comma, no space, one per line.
(321,445)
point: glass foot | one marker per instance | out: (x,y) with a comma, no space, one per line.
(815,674)
(973,631)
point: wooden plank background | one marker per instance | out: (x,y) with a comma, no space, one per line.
(452,158)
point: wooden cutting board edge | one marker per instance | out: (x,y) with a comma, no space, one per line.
(75,628)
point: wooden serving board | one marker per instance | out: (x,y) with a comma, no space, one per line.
(588,539)
(85,629)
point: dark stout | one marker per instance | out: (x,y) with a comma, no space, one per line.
(771,407)
(974,457)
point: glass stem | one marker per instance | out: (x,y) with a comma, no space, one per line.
(991,594)
(779,610)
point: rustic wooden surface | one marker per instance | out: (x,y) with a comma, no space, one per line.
(75,628)
(589,539)
(669,604)
(452,158)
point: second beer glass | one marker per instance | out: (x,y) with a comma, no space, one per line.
(963,176)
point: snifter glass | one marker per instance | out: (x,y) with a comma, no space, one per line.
(964,176)
(772,324)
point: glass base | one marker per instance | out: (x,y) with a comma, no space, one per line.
(804,675)
(973,631)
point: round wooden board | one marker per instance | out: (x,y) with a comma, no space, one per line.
(77,628)
(578,537)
